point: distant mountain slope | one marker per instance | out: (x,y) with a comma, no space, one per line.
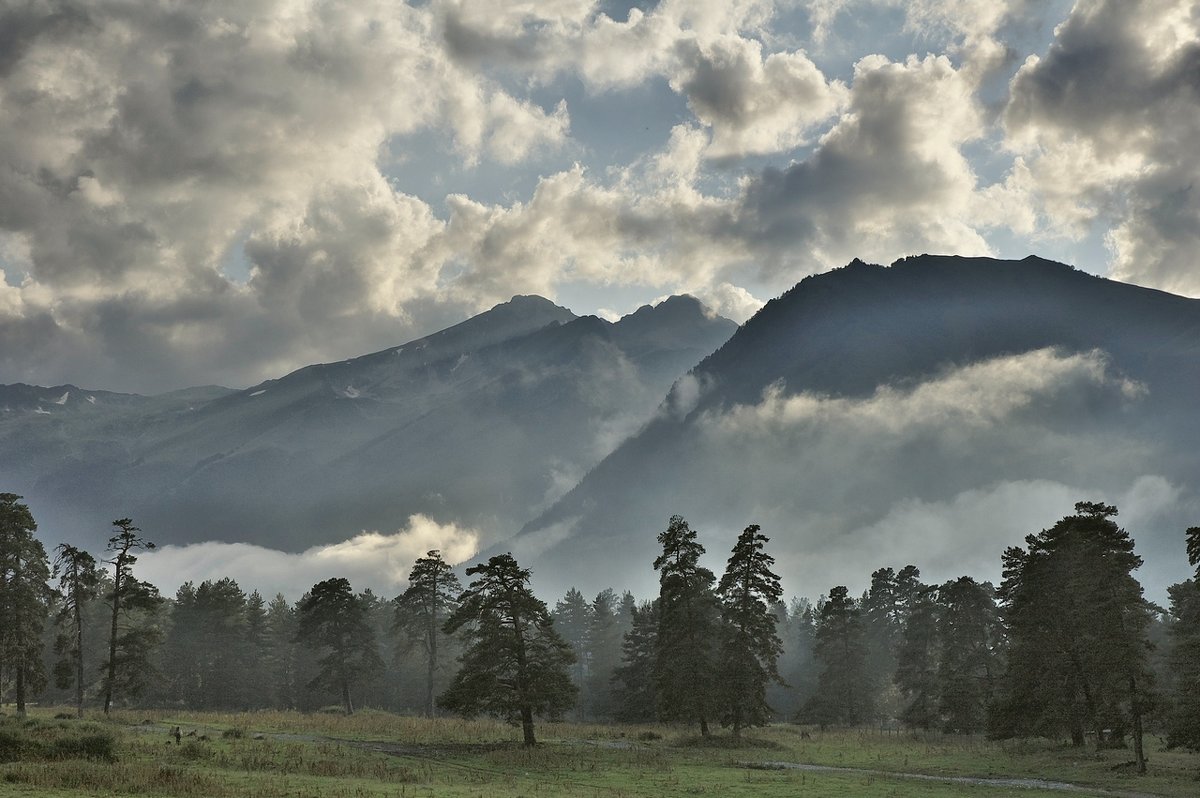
(933,411)
(480,424)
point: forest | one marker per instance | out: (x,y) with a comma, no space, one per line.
(1066,647)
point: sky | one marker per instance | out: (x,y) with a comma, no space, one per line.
(220,192)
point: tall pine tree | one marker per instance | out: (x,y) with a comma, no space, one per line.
(431,597)
(843,685)
(333,621)
(78,584)
(633,683)
(1183,717)
(24,598)
(1077,622)
(685,662)
(132,632)
(515,666)
(573,620)
(750,646)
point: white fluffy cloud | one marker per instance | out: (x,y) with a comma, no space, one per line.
(1106,122)
(377,560)
(211,192)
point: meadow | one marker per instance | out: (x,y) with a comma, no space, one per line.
(369,754)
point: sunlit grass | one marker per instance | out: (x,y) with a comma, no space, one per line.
(277,754)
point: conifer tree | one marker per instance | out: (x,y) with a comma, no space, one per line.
(515,665)
(685,663)
(280,656)
(333,621)
(78,584)
(750,646)
(1183,718)
(24,598)
(130,599)
(918,661)
(573,620)
(634,692)
(253,654)
(1076,621)
(968,663)
(843,691)
(606,629)
(431,597)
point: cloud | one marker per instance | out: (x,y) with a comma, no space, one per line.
(377,560)
(966,533)
(980,395)
(1106,122)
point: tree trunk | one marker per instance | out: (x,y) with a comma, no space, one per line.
(527,725)
(347,703)
(78,655)
(112,636)
(20,689)
(432,657)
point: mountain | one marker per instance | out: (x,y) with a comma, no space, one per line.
(933,412)
(481,424)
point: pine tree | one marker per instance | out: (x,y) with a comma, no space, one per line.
(607,624)
(515,666)
(130,599)
(1183,718)
(750,646)
(843,692)
(333,621)
(634,693)
(573,619)
(685,664)
(431,597)
(253,654)
(918,661)
(1076,622)
(78,584)
(798,664)
(968,662)
(280,656)
(24,598)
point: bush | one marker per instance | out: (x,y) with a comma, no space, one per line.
(34,741)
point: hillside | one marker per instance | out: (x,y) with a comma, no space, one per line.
(934,411)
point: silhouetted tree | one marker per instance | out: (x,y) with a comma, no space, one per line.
(885,608)
(78,584)
(918,661)
(1077,624)
(24,598)
(843,691)
(515,665)
(968,665)
(750,646)
(1183,719)
(332,620)
(685,663)
(633,681)
(130,643)
(431,597)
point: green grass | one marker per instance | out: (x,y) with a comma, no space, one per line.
(279,754)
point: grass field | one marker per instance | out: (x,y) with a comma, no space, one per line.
(290,755)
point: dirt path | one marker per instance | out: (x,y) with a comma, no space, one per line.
(974,781)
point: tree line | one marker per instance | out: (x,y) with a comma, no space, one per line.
(1065,647)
